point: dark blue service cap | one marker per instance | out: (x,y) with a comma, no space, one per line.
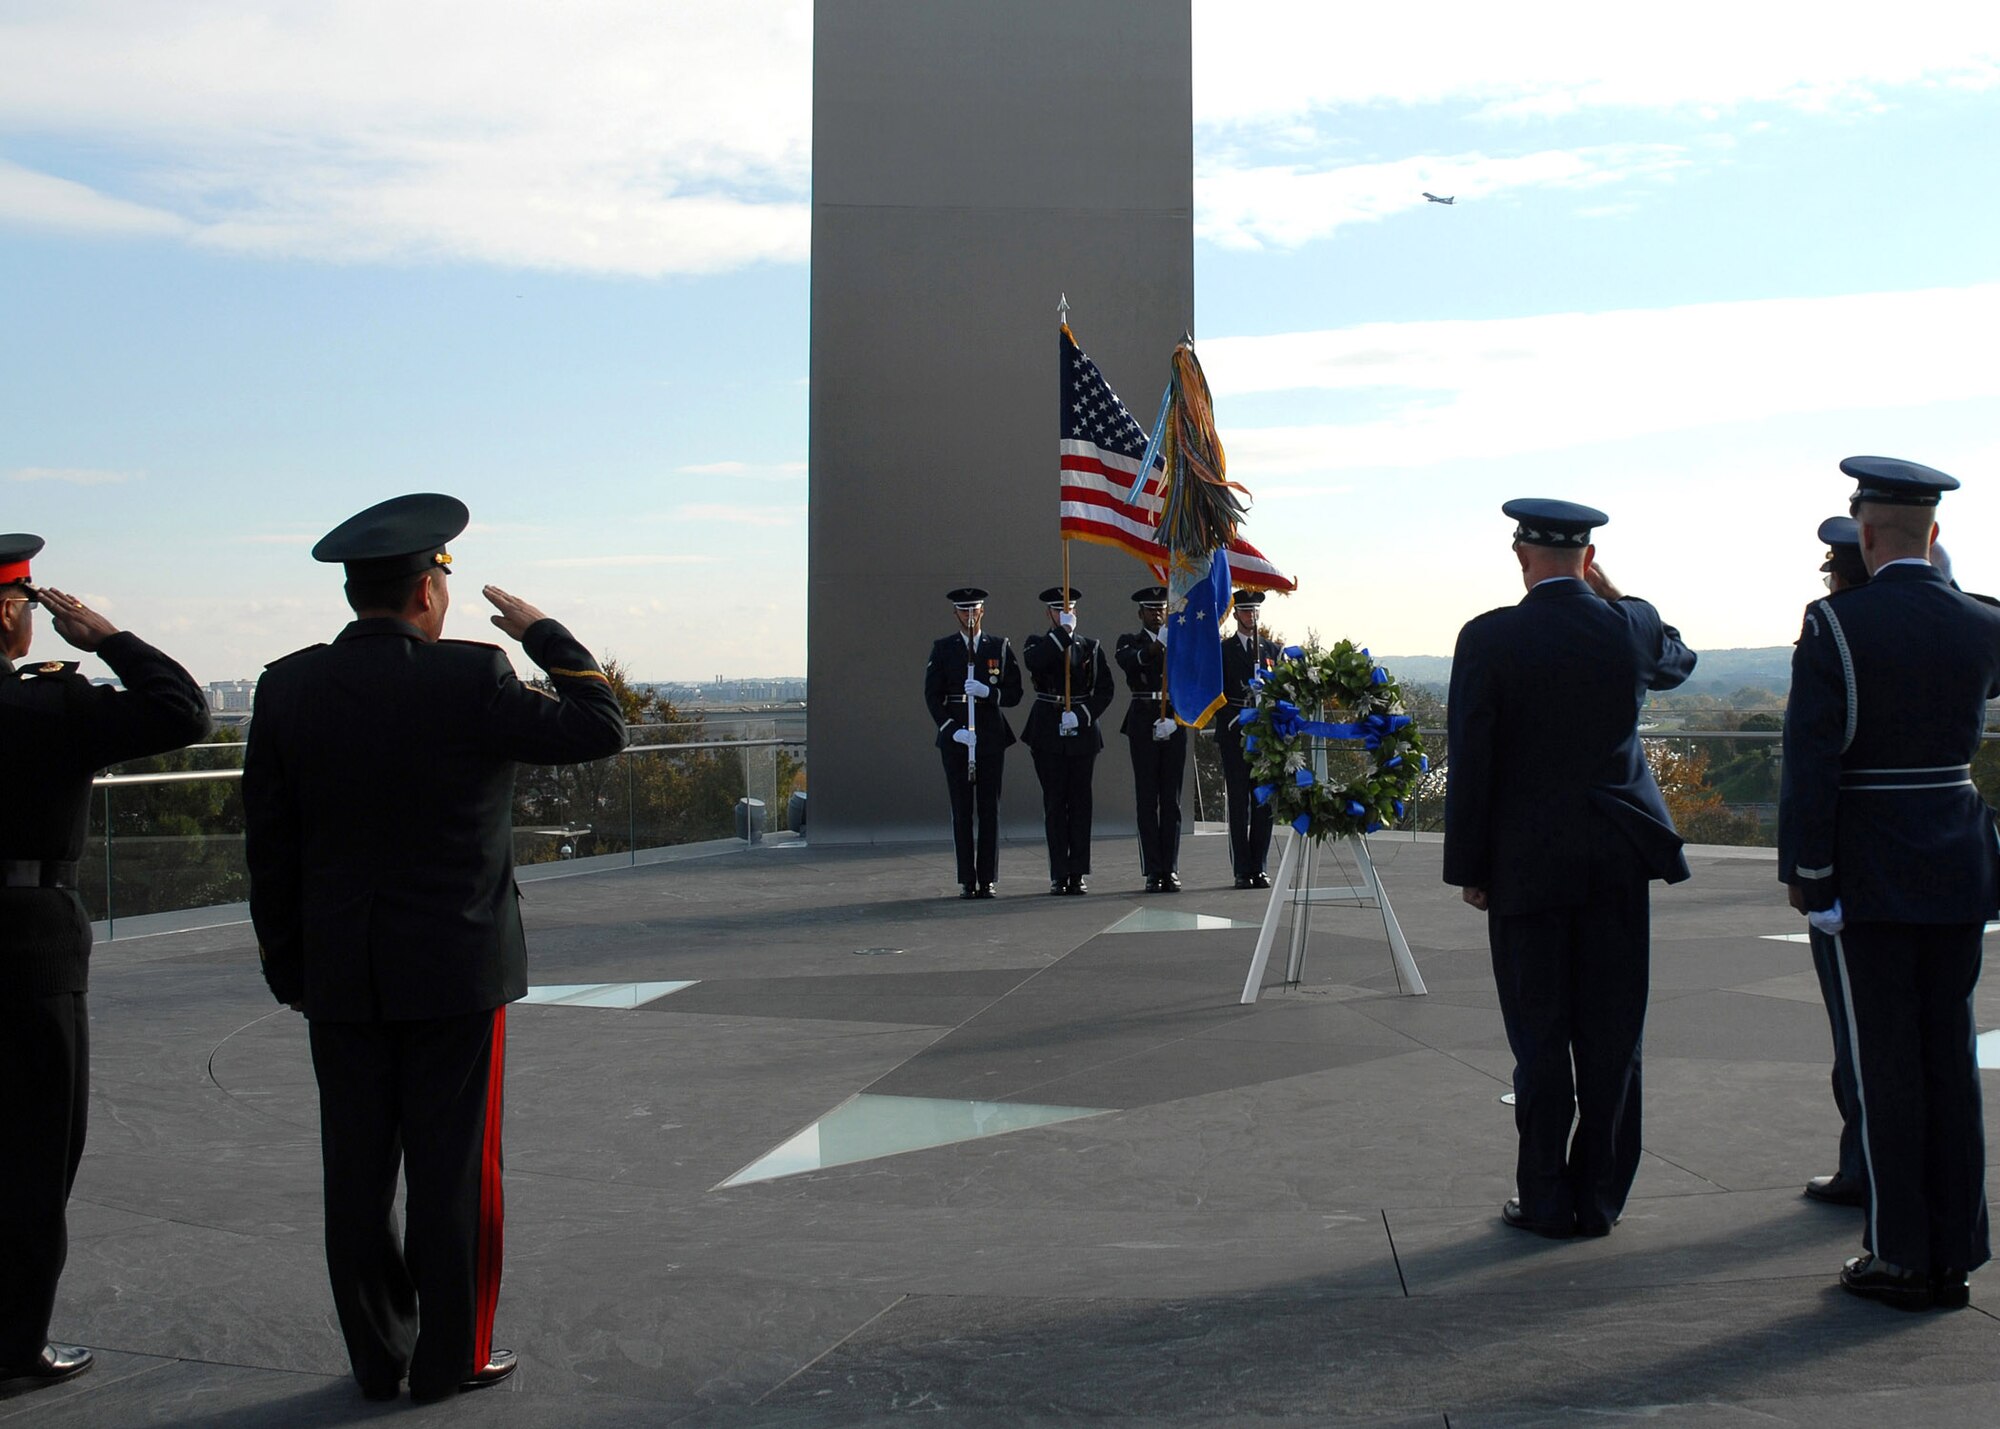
(966,597)
(1055,597)
(1151,595)
(16,550)
(1890,482)
(1840,531)
(397,537)
(1542,522)
(1250,598)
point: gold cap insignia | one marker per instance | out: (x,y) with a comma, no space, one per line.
(441,558)
(54,667)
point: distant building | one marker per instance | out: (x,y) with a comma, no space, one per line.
(231,696)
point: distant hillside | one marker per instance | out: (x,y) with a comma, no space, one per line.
(1716,672)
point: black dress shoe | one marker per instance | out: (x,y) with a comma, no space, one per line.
(1057,888)
(1260,880)
(1520,1220)
(497,1368)
(1873,1278)
(1950,1290)
(1170,883)
(1242,882)
(55,1363)
(1152,885)
(986,891)
(1593,1228)
(967,890)
(381,1393)
(1077,886)
(1837,1190)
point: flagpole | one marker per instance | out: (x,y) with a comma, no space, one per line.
(1062,317)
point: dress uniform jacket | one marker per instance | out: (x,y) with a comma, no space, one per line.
(994,665)
(1144,661)
(1091,690)
(1158,765)
(56,731)
(1543,718)
(1889,689)
(378,796)
(1249,822)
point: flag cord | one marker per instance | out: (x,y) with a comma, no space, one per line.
(1068,608)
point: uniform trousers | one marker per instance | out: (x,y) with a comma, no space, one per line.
(1157,769)
(1249,822)
(44,1101)
(1909,1009)
(1572,984)
(1845,1099)
(1066,811)
(425,1096)
(975,812)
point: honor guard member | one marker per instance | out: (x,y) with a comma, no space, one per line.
(1887,844)
(1158,742)
(1842,570)
(969,679)
(57,729)
(1243,655)
(1553,828)
(1073,689)
(378,793)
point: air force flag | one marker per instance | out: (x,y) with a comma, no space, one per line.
(1194,641)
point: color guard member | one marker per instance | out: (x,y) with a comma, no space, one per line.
(1158,742)
(969,678)
(1063,732)
(1889,848)
(1243,655)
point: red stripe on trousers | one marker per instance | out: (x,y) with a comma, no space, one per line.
(486,1282)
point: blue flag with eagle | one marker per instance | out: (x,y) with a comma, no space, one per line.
(1194,641)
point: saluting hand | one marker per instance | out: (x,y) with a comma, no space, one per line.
(74,621)
(1594,577)
(515,616)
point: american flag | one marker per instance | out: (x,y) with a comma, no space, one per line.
(1102,445)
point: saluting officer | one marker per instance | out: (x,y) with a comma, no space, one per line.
(1158,742)
(378,795)
(1889,847)
(1063,732)
(1243,655)
(969,678)
(57,729)
(1842,570)
(1553,828)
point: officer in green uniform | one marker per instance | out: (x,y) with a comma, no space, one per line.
(57,729)
(378,795)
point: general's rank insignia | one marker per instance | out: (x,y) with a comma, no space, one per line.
(54,667)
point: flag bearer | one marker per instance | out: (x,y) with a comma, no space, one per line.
(1158,742)
(1243,654)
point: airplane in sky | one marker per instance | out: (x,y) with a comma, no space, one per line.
(1435,199)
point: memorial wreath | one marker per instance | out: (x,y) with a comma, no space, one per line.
(1374,755)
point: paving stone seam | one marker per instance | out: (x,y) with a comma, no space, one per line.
(830,1349)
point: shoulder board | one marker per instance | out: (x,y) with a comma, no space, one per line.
(470,644)
(274,664)
(53,667)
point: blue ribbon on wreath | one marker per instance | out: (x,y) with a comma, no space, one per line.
(1288,723)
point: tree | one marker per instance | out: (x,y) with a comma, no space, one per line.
(1680,766)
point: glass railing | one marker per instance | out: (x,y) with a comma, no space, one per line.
(166,834)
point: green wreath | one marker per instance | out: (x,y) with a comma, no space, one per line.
(1374,755)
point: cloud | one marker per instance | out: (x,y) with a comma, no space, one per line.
(740,515)
(1285,206)
(34,200)
(1282,62)
(73,475)
(747,471)
(1452,390)
(626,136)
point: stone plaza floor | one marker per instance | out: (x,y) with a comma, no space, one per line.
(1151,1205)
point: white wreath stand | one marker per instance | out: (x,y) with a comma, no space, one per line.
(1294,885)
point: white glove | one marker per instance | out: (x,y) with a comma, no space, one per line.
(1161,635)
(1831,921)
(1069,722)
(1163,729)
(964,737)
(1066,619)
(977,689)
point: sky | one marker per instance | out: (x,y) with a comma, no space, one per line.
(263,262)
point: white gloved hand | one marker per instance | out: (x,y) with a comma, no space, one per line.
(1161,635)
(1164,729)
(1069,722)
(977,689)
(1829,922)
(964,737)
(1066,619)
